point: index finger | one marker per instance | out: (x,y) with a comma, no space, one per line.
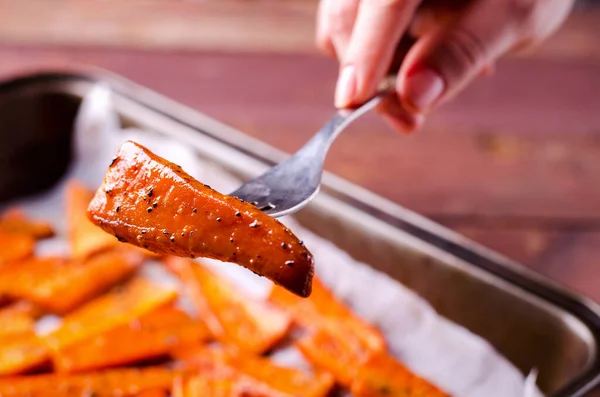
(378,28)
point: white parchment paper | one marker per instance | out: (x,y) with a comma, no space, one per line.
(459,362)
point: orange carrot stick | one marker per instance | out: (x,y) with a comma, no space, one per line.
(152,335)
(232,316)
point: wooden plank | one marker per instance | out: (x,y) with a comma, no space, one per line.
(224,25)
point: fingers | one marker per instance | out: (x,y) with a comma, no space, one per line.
(335,22)
(377,30)
(398,117)
(443,61)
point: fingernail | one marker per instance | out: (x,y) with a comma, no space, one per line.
(346,85)
(423,88)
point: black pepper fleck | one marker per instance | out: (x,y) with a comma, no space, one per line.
(238,214)
(117,209)
(234,254)
(254,224)
(301,243)
(143,232)
(284,246)
(112,162)
(121,239)
(258,256)
(231,240)
(150,192)
(182,234)
(289,263)
(154,204)
(192,256)
(172,238)
(166,233)
(149,209)
(218,219)
(195,210)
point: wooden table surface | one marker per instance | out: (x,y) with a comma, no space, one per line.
(514,163)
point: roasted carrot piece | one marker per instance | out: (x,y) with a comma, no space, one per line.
(15,247)
(150,336)
(21,352)
(382,375)
(204,385)
(232,316)
(14,221)
(152,203)
(85,238)
(334,351)
(18,318)
(259,375)
(153,393)
(109,311)
(59,285)
(117,382)
(323,310)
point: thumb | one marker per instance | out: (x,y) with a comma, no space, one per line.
(442,62)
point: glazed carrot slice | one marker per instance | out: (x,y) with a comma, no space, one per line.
(152,203)
(21,352)
(381,375)
(323,310)
(153,393)
(14,221)
(209,385)
(85,238)
(259,375)
(18,318)
(15,247)
(59,285)
(117,382)
(109,311)
(232,316)
(334,351)
(150,336)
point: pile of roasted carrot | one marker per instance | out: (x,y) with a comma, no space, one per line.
(121,334)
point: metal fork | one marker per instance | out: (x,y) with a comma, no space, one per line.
(293,183)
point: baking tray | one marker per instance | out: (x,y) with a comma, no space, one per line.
(532,321)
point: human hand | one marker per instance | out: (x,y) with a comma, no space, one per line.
(455,41)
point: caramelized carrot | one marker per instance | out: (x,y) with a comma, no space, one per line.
(258,375)
(383,376)
(334,351)
(109,311)
(153,393)
(20,353)
(152,203)
(59,285)
(15,247)
(18,318)
(150,336)
(323,310)
(14,221)
(117,382)
(85,238)
(232,316)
